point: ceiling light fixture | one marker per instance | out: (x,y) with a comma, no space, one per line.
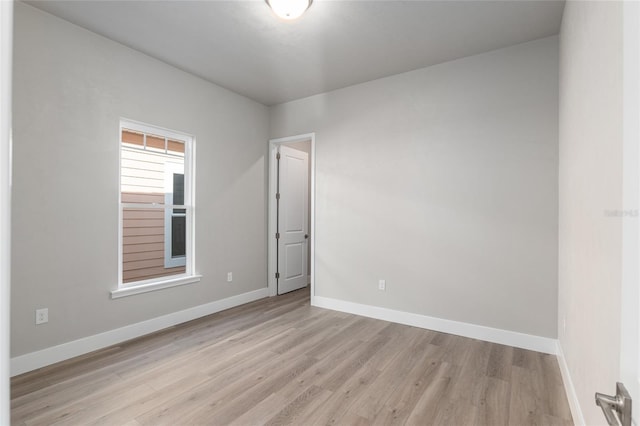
(289,9)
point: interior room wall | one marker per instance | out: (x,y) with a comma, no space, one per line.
(71,87)
(443,182)
(590,185)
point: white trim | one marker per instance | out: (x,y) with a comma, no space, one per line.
(570,390)
(272,259)
(480,332)
(190,200)
(153,285)
(271,242)
(120,205)
(34,360)
(6,45)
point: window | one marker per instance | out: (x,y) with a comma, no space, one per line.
(156,206)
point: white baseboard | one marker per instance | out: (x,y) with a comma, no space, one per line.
(494,335)
(572,397)
(34,360)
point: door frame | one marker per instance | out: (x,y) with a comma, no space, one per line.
(272,246)
(6,48)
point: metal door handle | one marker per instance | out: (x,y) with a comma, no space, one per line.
(306,236)
(616,409)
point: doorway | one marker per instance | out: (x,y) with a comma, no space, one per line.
(291,213)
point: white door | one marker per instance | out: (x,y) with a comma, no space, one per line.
(292,219)
(630,306)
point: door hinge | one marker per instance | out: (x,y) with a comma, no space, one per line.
(277,156)
(278,196)
(277,275)
(277,235)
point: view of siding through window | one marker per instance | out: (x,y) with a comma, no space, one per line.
(153,235)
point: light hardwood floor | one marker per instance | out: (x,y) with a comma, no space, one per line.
(280,361)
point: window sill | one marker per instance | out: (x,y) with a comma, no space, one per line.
(158,285)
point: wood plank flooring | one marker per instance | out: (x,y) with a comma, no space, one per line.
(279,361)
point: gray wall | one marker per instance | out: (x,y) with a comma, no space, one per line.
(70,89)
(443,181)
(590,182)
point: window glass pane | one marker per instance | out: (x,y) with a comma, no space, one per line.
(178,236)
(175,147)
(147,175)
(131,137)
(141,176)
(178,189)
(155,142)
(144,238)
(178,192)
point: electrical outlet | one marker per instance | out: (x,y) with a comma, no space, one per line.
(42,316)
(229,277)
(382,285)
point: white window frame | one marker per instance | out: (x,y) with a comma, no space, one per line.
(190,275)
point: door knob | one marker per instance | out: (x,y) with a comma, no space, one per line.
(306,236)
(616,409)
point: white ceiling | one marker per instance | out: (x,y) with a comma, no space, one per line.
(242,46)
